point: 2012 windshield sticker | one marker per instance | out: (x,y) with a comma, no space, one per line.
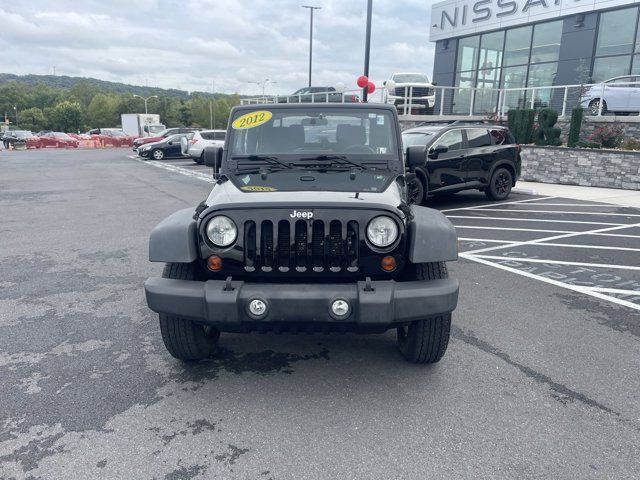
(251,120)
(257,188)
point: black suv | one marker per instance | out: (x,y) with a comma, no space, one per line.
(308,227)
(464,156)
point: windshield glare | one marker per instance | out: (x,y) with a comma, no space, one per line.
(365,134)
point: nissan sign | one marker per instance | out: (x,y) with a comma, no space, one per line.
(455,18)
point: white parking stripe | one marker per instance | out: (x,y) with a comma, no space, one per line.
(596,247)
(572,204)
(488,240)
(555,262)
(562,212)
(557,237)
(176,169)
(512,229)
(534,220)
(584,290)
(614,290)
(494,204)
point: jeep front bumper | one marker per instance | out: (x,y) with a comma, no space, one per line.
(376,305)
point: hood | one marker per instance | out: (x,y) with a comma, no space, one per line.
(227,195)
(414,84)
(143,140)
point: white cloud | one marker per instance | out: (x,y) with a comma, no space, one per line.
(187,44)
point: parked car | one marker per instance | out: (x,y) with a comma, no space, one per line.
(13,137)
(113,137)
(165,148)
(194,143)
(418,87)
(619,95)
(58,140)
(80,136)
(318,95)
(462,157)
(160,136)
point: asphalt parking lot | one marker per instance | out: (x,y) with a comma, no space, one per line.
(540,379)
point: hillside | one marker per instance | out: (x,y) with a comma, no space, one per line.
(66,82)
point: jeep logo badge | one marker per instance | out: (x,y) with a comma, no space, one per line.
(297,214)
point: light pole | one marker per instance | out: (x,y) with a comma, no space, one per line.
(15,107)
(263,84)
(311,9)
(146,100)
(367,47)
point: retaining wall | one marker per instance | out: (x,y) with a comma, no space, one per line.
(581,166)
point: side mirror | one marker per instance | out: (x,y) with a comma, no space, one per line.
(416,155)
(213,158)
(435,84)
(439,150)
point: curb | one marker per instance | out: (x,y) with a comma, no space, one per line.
(525,191)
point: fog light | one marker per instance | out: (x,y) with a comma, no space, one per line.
(340,308)
(214,263)
(257,307)
(388,263)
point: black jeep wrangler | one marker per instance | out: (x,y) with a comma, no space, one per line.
(307,228)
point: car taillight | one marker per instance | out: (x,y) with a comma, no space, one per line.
(192,141)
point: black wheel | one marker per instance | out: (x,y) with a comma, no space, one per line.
(425,341)
(200,159)
(416,191)
(594,106)
(157,154)
(500,184)
(183,338)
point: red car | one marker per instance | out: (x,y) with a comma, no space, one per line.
(111,137)
(58,140)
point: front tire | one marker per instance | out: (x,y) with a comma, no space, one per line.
(157,154)
(500,185)
(594,106)
(425,341)
(199,160)
(185,339)
(416,191)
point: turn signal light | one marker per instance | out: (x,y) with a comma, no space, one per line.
(388,263)
(214,263)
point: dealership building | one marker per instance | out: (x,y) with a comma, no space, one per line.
(492,44)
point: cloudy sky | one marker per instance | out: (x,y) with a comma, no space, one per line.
(188,44)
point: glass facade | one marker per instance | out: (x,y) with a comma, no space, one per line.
(527,57)
(618,40)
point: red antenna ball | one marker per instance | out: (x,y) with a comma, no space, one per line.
(362,81)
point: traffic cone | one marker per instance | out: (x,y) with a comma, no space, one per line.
(10,147)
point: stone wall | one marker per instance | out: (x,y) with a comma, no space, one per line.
(581,166)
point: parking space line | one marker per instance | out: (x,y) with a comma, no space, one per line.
(572,204)
(555,262)
(176,169)
(563,212)
(475,227)
(535,220)
(488,240)
(595,247)
(614,290)
(557,237)
(575,288)
(490,204)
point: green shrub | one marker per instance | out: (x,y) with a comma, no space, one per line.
(577,115)
(608,136)
(546,133)
(631,144)
(520,123)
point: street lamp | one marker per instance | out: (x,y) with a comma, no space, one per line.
(263,84)
(311,9)
(15,107)
(367,48)
(146,100)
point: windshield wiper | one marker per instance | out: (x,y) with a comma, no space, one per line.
(271,160)
(341,159)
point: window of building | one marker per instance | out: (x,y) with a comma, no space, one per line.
(545,46)
(467,53)
(514,77)
(491,45)
(516,46)
(608,67)
(616,31)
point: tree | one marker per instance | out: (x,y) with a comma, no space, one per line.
(184,113)
(102,111)
(84,91)
(66,117)
(32,119)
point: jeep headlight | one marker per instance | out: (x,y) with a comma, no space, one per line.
(382,231)
(221,231)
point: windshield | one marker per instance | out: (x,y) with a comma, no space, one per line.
(361,134)
(155,129)
(417,138)
(61,135)
(410,78)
